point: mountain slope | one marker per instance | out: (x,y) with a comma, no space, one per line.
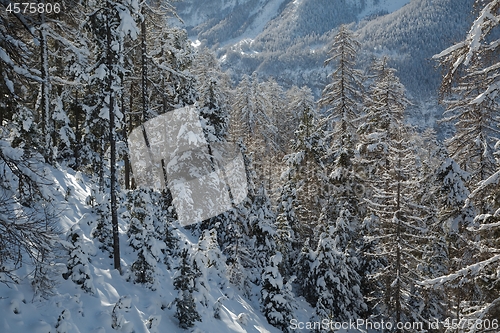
(292,46)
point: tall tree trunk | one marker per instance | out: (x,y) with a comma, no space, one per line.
(398,241)
(126,130)
(112,138)
(78,137)
(144,83)
(45,91)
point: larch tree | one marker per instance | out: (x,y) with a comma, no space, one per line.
(388,164)
(342,96)
(471,86)
(469,90)
(304,170)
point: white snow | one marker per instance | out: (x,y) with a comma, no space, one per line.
(117,301)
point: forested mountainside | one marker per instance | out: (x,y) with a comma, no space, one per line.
(290,41)
(143,190)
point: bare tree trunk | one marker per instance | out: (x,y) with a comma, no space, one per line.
(398,241)
(45,91)
(144,69)
(112,141)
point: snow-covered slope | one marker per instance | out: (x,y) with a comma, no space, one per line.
(141,309)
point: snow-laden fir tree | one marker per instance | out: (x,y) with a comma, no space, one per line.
(336,292)
(213,96)
(276,296)
(304,171)
(287,225)
(215,264)
(144,216)
(79,259)
(184,282)
(210,269)
(102,231)
(164,225)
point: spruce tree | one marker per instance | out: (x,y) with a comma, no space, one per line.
(336,293)
(143,237)
(262,229)
(79,262)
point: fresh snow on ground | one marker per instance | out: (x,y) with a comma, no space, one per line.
(141,310)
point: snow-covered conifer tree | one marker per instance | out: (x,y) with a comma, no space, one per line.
(342,97)
(262,229)
(186,311)
(336,294)
(276,297)
(143,237)
(287,225)
(469,90)
(213,100)
(79,262)
(304,172)
(470,86)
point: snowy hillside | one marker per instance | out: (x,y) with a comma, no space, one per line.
(286,169)
(115,304)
